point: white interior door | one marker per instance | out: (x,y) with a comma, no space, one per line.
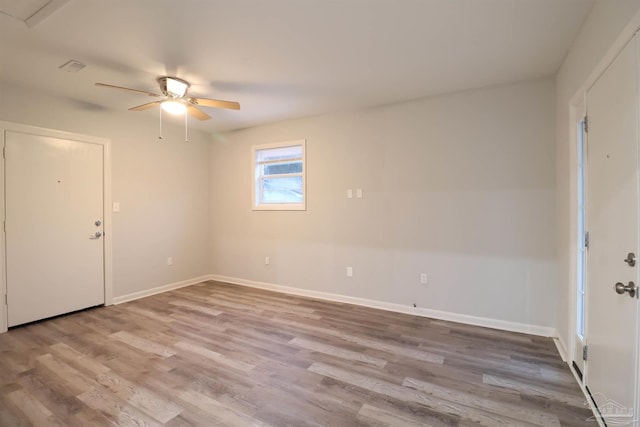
(612,221)
(54,199)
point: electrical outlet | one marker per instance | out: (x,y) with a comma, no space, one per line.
(359,193)
(116,206)
(349,271)
(169,260)
(423,278)
(349,194)
(266,260)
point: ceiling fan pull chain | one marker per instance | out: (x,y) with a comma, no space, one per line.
(160,137)
(186,136)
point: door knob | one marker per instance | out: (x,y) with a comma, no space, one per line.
(630,259)
(96,235)
(621,288)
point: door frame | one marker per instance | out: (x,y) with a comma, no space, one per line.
(107,220)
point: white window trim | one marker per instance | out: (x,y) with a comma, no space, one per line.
(279,206)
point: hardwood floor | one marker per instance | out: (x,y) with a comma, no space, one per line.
(219,354)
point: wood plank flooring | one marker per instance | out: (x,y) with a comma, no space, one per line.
(218,354)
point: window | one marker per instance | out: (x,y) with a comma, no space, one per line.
(279,176)
(582,255)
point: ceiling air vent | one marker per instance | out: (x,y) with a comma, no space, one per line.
(72,66)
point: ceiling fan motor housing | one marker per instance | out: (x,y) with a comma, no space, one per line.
(173,86)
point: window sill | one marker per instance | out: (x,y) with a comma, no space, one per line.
(280,207)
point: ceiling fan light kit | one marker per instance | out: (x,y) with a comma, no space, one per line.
(174,100)
(174,107)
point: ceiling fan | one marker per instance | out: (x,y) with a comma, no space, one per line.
(174,99)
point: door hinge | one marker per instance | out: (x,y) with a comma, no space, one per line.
(4,152)
(585,352)
(585,124)
(586,240)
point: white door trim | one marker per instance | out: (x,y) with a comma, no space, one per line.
(108,230)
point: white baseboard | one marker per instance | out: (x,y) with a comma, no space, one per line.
(398,308)
(544,331)
(159,289)
(562,348)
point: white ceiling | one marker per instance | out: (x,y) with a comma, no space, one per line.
(287,58)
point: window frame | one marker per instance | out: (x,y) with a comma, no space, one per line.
(256,178)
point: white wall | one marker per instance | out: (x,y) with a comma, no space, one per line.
(460,186)
(162,187)
(603,26)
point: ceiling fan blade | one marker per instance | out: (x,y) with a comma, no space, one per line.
(145,106)
(197,113)
(127,89)
(215,103)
